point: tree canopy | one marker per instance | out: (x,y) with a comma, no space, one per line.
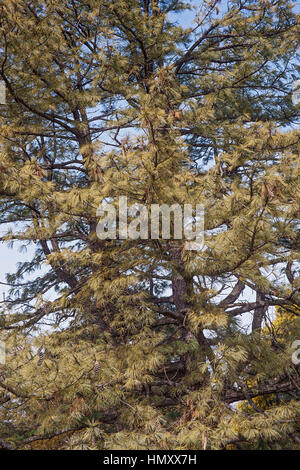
(143,344)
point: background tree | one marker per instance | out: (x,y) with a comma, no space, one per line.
(139,343)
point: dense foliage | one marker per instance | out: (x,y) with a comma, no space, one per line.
(143,344)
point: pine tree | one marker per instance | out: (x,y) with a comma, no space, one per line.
(145,346)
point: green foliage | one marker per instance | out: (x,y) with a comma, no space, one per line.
(142,344)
